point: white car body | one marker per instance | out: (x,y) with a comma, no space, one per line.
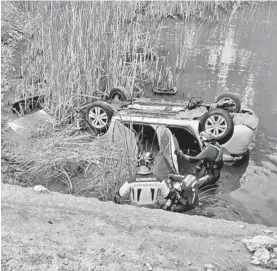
(173,115)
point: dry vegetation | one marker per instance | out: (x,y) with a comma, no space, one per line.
(78,162)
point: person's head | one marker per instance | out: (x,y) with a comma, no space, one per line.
(206,138)
(145,162)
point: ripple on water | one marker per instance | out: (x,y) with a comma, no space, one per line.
(248,94)
(259,189)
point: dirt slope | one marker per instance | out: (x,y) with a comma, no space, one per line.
(61,232)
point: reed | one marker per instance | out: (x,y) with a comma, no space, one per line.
(81,49)
(80,163)
(78,50)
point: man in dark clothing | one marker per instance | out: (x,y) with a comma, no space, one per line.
(211,158)
(183,195)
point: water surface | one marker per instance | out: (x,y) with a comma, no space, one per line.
(238,56)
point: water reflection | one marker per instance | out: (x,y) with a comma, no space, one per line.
(227,59)
(244,57)
(248,94)
(239,57)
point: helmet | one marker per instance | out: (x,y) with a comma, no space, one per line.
(145,159)
(206,137)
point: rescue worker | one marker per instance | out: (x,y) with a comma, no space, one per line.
(184,194)
(211,158)
(144,187)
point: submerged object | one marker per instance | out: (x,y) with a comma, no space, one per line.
(167,91)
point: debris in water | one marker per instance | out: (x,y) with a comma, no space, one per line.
(169,91)
(30,124)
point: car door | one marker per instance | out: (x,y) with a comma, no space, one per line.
(167,146)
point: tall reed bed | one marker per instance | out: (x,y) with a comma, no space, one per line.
(85,48)
(81,49)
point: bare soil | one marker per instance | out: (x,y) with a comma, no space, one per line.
(54,231)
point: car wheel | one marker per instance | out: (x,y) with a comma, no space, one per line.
(98,116)
(120,94)
(234,103)
(219,123)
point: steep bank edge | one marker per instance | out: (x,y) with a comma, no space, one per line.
(61,232)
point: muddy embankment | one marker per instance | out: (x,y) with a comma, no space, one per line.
(52,231)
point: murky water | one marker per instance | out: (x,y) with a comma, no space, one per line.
(238,56)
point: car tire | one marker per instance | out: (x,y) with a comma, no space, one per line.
(98,116)
(234,98)
(120,94)
(219,123)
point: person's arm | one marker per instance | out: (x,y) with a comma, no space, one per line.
(176,177)
(124,190)
(207,153)
(165,188)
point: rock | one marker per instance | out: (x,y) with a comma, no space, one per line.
(255,261)
(263,255)
(189,263)
(50,221)
(242,226)
(275,250)
(103,250)
(275,236)
(209,267)
(40,189)
(260,241)
(272,255)
(148,265)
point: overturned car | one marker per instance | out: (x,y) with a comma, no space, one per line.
(233,127)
